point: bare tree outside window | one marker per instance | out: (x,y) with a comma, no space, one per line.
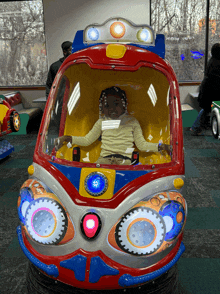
(183,24)
(23,58)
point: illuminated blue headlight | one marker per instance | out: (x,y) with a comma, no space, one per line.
(93,34)
(26,198)
(143,35)
(173,215)
(96,184)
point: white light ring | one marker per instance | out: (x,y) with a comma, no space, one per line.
(60,220)
(24,207)
(148,214)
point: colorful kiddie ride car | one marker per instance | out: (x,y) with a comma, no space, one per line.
(9,122)
(115,222)
(215,119)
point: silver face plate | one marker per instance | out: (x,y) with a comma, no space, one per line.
(109,217)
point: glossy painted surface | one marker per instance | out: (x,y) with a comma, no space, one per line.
(135,197)
(94,270)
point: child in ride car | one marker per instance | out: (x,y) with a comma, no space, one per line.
(118,130)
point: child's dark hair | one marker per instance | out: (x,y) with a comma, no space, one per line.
(112,91)
(216,51)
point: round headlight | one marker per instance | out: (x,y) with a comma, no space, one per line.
(117,29)
(96,184)
(93,34)
(143,35)
(46,221)
(141,231)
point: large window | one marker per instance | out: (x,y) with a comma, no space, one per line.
(184,24)
(22,44)
(214,23)
(23,58)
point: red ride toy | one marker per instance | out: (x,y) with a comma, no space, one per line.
(9,122)
(104,206)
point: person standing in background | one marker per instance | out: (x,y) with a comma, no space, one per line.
(209,91)
(67,48)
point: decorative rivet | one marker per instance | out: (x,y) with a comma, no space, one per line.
(153,166)
(97,165)
(178,183)
(31,170)
(113,66)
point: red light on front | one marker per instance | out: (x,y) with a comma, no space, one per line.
(91,225)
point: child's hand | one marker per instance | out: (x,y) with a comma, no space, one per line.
(165,147)
(58,142)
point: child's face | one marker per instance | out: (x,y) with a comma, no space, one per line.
(114,107)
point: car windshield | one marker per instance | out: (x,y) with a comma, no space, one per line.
(109,117)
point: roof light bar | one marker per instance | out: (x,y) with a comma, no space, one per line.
(119,30)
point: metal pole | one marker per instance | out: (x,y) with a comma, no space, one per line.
(207,35)
(150,11)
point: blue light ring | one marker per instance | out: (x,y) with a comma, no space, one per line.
(50,269)
(24,197)
(93,34)
(89,185)
(127,280)
(171,208)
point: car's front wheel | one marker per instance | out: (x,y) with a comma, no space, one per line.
(215,128)
(15,121)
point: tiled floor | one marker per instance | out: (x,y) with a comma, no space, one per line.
(199,266)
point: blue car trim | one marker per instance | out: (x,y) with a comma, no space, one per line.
(51,269)
(122,178)
(77,264)
(127,280)
(72,173)
(99,268)
(126,176)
